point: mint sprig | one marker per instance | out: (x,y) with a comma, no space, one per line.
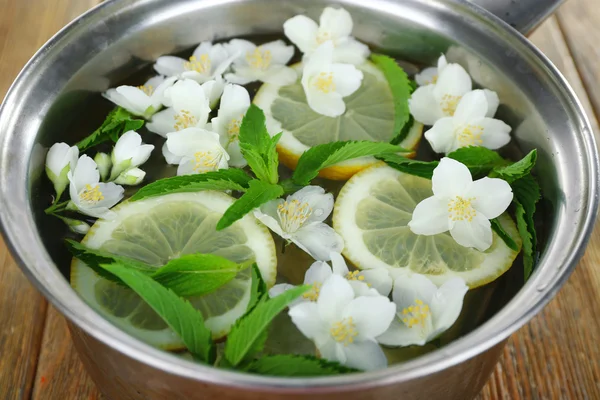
(248,335)
(526,195)
(401,89)
(325,155)
(177,312)
(258,193)
(116,123)
(258,147)
(516,170)
(223,179)
(258,289)
(297,365)
(505,236)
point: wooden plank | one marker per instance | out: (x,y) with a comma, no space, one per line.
(579,21)
(24,27)
(60,374)
(556,356)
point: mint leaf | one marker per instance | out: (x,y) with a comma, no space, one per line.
(404,131)
(197,274)
(223,179)
(479,160)
(325,155)
(526,195)
(258,147)
(297,365)
(505,236)
(401,90)
(424,169)
(247,337)
(116,123)
(177,312)
(526,237)
(258,193)
(93,258)
(259,288)
(516,170)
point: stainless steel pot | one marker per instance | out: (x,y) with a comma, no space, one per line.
(120,36)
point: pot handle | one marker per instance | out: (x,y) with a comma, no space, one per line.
(523,15)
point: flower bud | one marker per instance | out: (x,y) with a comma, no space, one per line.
(61,158)
(131,177)
(104,164)
(77,226)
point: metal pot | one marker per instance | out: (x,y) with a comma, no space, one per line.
(120,36)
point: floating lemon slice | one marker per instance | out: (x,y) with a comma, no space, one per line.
(158,229)
(371,213)
(369,116)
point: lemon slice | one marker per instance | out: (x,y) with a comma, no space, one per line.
(369,116)
(158,229)
(371,213)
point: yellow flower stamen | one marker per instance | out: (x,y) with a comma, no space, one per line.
(313,293)
(259,58)
(206,161)
(202,65)
(324,82)
(416,315)
(344,331)
(322,37)
(470,135)
(293,214)
(355,276)
(460,209)
(449,104)
(233,129)
(185,119)
(91,194)
(148,90)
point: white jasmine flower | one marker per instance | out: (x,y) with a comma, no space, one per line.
(131,177)
(61,159)
(88,195)
(326,83)
(461,206)
(335,25)
(234,104)
(469,126)
(345,328)
(440,99)
(299,219)
(265,63)
(206,63)
(189,108)
(104,164)
(213,90)
(129,152)
(197,151)
(423,311)
(143,100)
(373,282)
(430,75)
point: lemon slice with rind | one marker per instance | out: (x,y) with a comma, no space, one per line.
(158,229)
(369,116)
(372,212)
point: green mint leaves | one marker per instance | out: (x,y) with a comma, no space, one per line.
(248,335)
(526,195)
(325,155)
(517,170)
(401,89)
(424,169)
(258,147)
(296,365)
(258,193)
(116,123)
(223,179)
(178,313)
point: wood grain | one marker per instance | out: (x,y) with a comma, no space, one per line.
(556,356)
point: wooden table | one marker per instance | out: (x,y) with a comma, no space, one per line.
(556,356)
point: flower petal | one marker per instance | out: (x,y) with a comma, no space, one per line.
(347,78)
(112,193)
(447,304)
(170,157)
(318,240)
(280,75)
(495,133)
(302,31)
(492,196)
(236,160)
(335,295)
(241,76)
(472,105)
(138,100)
(366,356)
(281,53)
(188,141)
(169,65)
(213,90)
(453,80)
(267,214)
(410,287)
(86,173)
(158,96)
(442,136)
(239,48)
(307,319)
(162,122)
(423,105)
(126,146)
(351,51)
(450,178)
(338,264)
(427,77)
(430,217)
(371,315)
(493,102)
(188,95)
(119,99)
(476,233)
(379,279)
(398,334)
(328,104)
(280,288)
(318,201)
(318,272)
(336,22)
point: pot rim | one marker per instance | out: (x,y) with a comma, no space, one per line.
(499,327)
